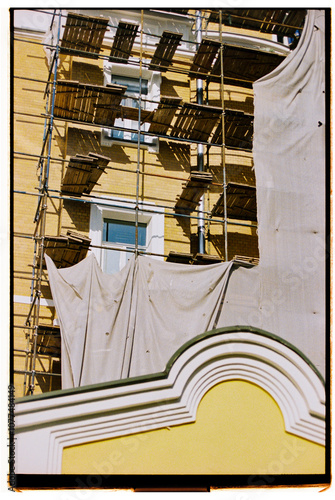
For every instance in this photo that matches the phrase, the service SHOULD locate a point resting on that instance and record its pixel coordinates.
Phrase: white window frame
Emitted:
(118, 209)
(153, 97)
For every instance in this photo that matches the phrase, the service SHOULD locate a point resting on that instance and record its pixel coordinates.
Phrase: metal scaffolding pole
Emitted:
(200, 158)
(40, 220)
(224, 172)
(127, 354)
(138, 140)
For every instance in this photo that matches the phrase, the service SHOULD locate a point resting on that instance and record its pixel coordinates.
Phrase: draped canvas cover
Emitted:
(289, 157)
(130, 323)
(285, 294)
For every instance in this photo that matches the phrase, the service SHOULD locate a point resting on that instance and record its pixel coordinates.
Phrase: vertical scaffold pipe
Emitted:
(223, 150)
(43, 216)
(200, 158)
(139, 140)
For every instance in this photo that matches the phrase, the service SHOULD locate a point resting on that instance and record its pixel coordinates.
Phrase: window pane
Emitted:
(120, 231)
(117, 134)
(111, 263)
(115, 260)
(134, 138)
(132, 84)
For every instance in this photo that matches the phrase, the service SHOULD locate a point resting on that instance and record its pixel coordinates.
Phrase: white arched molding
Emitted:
(92, 413)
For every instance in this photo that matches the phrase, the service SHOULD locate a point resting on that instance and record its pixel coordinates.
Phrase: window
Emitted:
(132, 100)
(149, 87)
(121, 233)
(112, 232)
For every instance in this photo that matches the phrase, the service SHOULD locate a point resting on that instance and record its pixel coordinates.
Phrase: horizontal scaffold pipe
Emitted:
(145, 209)
(39, 372)
(205, 13)
(25, 327)
(119, 169)
(29, 278)
(137, 61)
(113, 26)
(150, 134)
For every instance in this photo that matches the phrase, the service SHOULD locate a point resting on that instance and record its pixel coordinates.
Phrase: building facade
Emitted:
(169, 282)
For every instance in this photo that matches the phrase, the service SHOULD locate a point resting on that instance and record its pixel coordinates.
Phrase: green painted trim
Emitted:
(241, 328)
(165, 373)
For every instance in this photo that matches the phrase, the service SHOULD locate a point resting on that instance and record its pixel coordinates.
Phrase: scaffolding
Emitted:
(192, 123)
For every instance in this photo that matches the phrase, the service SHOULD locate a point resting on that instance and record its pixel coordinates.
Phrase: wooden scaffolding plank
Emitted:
(65, 98)
(180, 258)
(83, 105)
(164, 114)
(196, 122)
(108, 104)
(66, 250)
(98, 169)
(203, 58)
(238, 130)
(193, 191)
(165, 51)
(83, 173)
(130, 113)
(123, 42)
(48, 340)
(206, 259)
(88, 103)
(77, 175)
(195, 259)
(241, 202)
(246, 261)
(83, 33)
(282, 22)
(243, 66)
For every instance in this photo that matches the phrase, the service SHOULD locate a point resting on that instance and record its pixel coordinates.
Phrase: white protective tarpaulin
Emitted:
(131, 323)
(285, 294)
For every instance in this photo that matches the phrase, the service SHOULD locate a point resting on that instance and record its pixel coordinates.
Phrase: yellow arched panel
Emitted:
(239, 430)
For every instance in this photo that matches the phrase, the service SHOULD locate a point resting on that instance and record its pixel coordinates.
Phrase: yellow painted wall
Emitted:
(239, 430)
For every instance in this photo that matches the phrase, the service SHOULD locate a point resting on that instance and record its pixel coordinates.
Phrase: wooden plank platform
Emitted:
(76, 175)
(238, 130)
(196, 121)
(241, 203)
(246, 261)
(282, 22)
(66, 250)
(164, 114)
(82, 173)
(97, 171)
(123, 42)
(203, 58)
(193, 259)
(180, 258)
(205, 259)
(88, 103)
(83, 33)
(192, 192)
(243, 66)
(49, 341)
(129, 113)
(165, 51)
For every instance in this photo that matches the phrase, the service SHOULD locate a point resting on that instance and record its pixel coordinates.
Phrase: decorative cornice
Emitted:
(172, 398)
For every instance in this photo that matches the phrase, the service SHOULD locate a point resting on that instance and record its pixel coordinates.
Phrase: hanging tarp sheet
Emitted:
(287, 290)
(130, 323)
